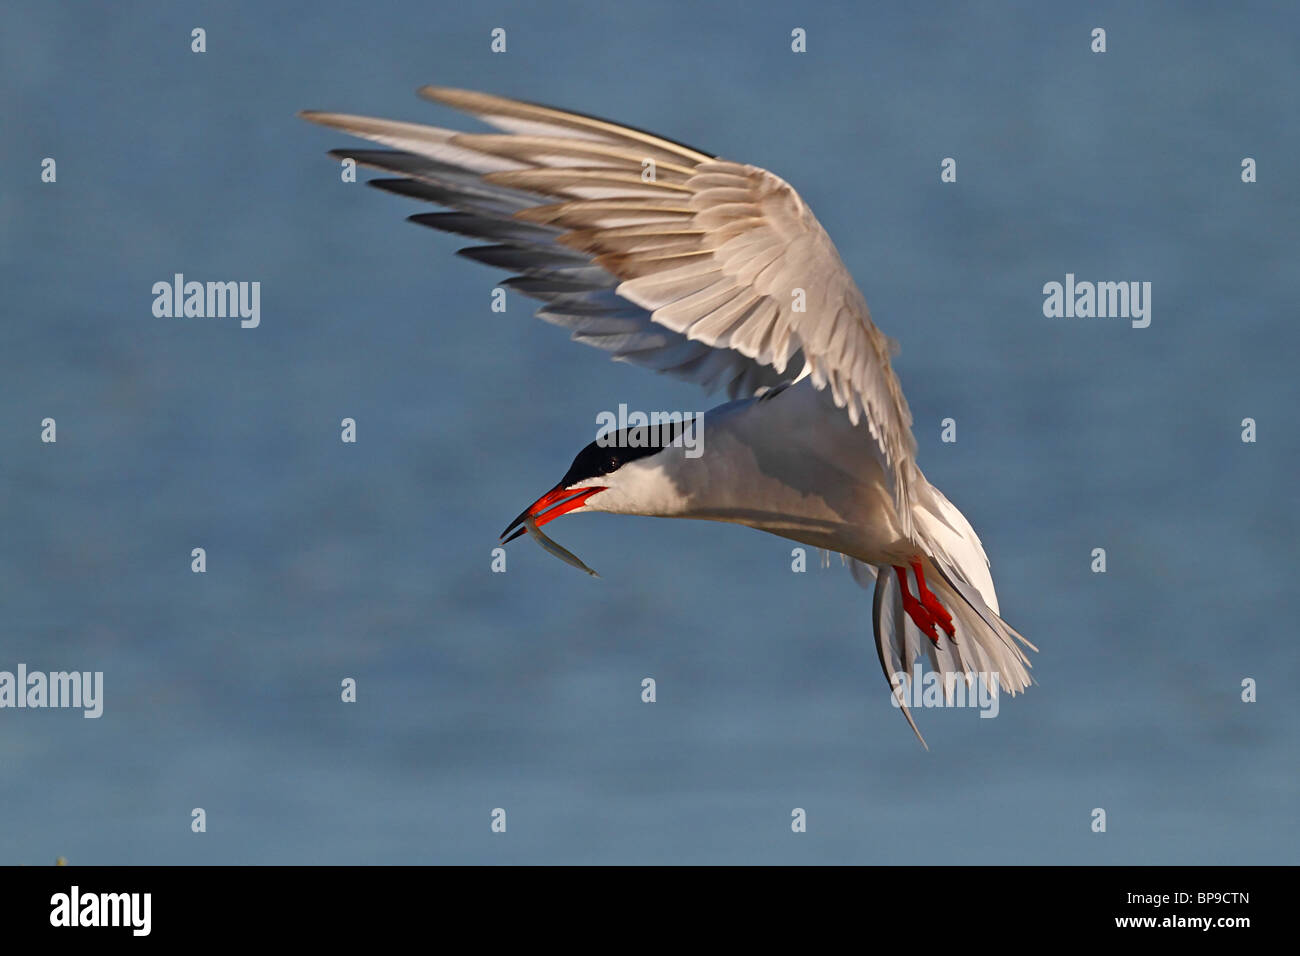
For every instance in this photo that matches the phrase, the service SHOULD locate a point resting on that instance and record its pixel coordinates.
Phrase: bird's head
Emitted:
(617, 473)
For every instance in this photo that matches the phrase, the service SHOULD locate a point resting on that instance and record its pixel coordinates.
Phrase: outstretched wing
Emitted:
(659, 253)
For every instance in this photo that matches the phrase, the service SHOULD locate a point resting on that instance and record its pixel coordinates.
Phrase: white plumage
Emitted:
(717, 272)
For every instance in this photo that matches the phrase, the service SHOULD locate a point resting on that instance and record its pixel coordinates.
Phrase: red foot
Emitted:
(931, 603)
(915, 609)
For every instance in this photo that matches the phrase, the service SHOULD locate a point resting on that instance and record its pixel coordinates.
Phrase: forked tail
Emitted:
(949, 591)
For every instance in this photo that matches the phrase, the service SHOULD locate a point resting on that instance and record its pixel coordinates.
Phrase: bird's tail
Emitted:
(956, 572)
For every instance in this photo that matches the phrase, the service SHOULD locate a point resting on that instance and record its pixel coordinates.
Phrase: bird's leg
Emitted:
(931, 603)
(915, 609)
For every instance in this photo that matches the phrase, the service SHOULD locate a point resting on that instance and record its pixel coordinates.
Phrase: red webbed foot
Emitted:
(917, 611)
(931, 603)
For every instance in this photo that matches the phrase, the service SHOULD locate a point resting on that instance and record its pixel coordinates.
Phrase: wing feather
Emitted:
(705, 268)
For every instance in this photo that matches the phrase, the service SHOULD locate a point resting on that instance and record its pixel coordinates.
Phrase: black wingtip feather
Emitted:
(478, 226)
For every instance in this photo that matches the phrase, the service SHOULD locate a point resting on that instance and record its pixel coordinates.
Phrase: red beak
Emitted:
(559, 500)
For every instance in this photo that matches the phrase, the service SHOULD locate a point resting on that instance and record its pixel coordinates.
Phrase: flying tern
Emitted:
(714, 271)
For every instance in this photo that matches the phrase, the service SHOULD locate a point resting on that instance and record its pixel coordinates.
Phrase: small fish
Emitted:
(568, 557)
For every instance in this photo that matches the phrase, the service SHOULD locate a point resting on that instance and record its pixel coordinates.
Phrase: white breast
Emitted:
(791, 464)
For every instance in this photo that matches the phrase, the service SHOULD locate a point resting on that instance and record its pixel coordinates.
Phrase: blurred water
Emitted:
(521, 691)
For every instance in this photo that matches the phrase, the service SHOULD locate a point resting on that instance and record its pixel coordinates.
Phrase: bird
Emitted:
(678, 260)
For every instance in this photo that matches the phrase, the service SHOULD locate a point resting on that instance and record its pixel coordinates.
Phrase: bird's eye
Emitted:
(612, 464)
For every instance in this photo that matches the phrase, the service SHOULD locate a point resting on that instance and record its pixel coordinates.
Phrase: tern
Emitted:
(675, 259)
